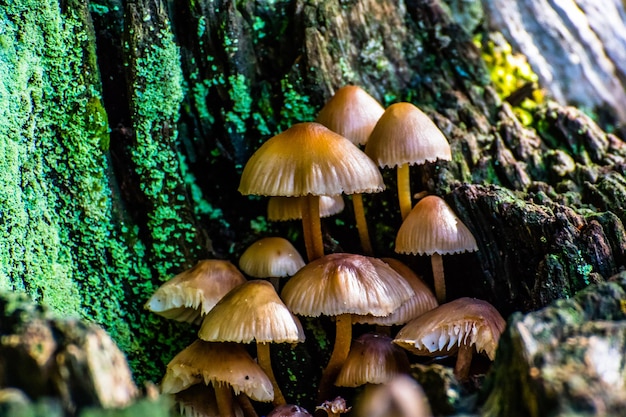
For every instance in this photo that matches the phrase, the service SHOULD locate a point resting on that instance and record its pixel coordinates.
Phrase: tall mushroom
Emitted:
(226, 366)
(432, 228)
(253, 312)
(353, 113)
(404, 135)
(271, 258)
(460, 326)
(190, 295)
(309, 160)
(341, 285)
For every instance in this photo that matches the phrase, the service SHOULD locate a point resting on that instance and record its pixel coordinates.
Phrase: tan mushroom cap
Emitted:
(290, 208)
(405, 135)
(442, 330)
(373, 359)
(252, 311)
(309, 158)
(352, 113)
(432, 227)
(343, 283)
(217, 363)
(192, 293)
(199, 401)
(424, 300)
(271, 257)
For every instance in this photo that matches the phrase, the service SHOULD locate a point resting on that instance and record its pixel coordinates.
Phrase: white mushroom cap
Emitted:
(343, 283)
(309, 158)
(406, 135)
(252, 311)
(192, 293)
(467, 321)
(271, 257)
(217, 363)
(432, 227)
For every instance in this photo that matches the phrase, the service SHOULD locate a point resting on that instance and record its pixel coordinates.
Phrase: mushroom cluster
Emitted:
(305, 171)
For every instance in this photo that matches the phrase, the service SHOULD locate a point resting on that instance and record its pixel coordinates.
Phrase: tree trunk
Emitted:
(125, 126)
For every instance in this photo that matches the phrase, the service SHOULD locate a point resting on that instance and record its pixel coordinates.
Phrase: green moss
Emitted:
(296, 106)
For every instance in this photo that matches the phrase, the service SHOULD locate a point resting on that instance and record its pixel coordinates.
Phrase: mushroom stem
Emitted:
(436, 261)
(361, 224)
(343, 339)
(224, 399)
(246, 405)
(275, 281)
(463, 362)
(404, 190)
(265, 362)
(312, 227)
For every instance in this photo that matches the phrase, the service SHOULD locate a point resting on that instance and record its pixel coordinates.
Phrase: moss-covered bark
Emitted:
(125, 125)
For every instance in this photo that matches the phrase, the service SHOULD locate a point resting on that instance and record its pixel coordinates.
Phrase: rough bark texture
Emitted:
(124, 127)
(566, 359)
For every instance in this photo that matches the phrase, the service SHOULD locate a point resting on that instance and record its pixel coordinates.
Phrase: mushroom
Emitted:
(226, 366)
(271, 257)
(400, 397)
(460, 326)
(404, 135)
(308, 160)
(191, 294)
(432, 228)
(373, 359)
(353, 113)
(253, 311)
(422, 301)
(340, 285)
(290, 208)
(199, 401)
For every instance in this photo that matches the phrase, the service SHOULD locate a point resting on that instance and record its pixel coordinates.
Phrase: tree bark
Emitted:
(125, 127)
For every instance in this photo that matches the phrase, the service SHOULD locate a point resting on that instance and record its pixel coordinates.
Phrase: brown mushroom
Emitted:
(432, 228)
(190, 295)
(253, 312)
(460, 326)
(340, 285)
(373, 359)
(353, 113)
(272, 258)
(404, 135)
(422, 301)
(308, 160)
(226, 366)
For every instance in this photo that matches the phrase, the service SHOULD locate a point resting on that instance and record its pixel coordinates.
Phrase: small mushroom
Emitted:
(373, 359)
(253, 312)
(341, 285)
(199, 401)
(309, 160)
(226, 366)
(460, 326)
(272, 258)
(432, 228)
(405, 135)
(190, 295)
